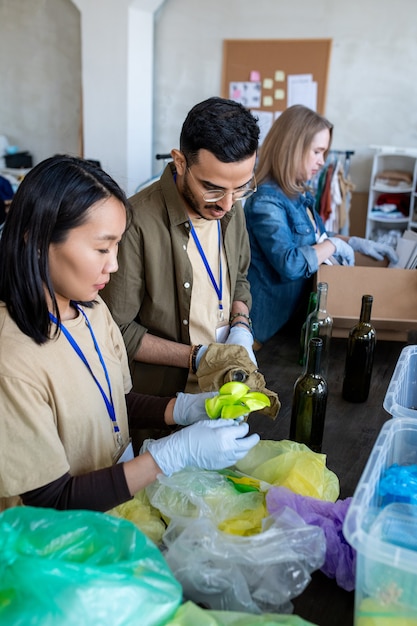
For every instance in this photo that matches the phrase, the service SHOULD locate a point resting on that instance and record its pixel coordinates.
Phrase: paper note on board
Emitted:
(267, 101)
(265, 119)
(246, 93)
(302, 90)
(279, 76)
(268, 83)
(255, 76)
(279, 94)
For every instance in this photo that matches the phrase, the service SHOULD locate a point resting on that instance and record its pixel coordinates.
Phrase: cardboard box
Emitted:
(381, 524)
(394, 310)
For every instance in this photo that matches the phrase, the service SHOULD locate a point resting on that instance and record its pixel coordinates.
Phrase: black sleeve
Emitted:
(97, 491)
(145, 411)
(103, 489)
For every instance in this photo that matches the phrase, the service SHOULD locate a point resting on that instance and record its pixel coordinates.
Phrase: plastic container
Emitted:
(385, 535)
(401, 397)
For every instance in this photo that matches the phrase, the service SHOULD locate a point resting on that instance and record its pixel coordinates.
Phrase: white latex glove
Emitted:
(239, 336)
(374, 249)
(344, 251)
(210, 445)
(190, 407)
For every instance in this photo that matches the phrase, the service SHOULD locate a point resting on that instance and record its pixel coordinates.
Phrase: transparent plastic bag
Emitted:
(81, 568)
(340, 559)
(256, 574)
(195, 493)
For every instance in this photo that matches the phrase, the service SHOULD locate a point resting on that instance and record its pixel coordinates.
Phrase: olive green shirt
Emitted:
(151, 291)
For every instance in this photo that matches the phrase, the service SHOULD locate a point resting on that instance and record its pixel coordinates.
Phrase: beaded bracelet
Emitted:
(242, 324)
(233, 316)
(193, 357)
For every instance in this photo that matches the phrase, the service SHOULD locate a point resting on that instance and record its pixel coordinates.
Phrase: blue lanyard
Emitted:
(218, 287)
(74, 344)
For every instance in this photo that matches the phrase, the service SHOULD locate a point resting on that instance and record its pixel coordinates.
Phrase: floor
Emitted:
(350, 432)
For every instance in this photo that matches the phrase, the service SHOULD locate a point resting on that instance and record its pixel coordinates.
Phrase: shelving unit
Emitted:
(398, 159)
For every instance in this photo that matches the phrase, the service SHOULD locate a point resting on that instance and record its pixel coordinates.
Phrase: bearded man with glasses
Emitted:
(182, 278)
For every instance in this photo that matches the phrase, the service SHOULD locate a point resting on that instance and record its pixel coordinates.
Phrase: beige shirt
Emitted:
(53, 416)
(205, 315)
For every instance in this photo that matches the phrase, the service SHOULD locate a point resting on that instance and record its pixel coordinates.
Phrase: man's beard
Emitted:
(192, 202)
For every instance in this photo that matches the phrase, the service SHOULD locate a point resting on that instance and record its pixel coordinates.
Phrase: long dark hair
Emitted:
(53, 198)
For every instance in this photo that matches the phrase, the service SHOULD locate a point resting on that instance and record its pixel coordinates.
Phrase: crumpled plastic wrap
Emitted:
(196, 493)
(340, 558)
(226, 551)
(256, 574)
(292, 465)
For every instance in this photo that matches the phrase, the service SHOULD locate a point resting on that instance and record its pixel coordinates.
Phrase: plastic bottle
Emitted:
(360, 356)
(312, 305)
(310, 400)
(320, 324)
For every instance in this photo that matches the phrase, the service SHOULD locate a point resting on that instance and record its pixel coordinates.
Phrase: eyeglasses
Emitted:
(215, 195)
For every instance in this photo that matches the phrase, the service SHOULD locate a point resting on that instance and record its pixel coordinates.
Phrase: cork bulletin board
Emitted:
(268, 75)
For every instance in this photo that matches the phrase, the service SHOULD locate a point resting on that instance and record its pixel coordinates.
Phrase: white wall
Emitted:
(134, 104)
(117, 61)
(372, 91)
(40, 76)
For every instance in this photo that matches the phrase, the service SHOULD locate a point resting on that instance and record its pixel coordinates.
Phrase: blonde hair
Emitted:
(286, 146)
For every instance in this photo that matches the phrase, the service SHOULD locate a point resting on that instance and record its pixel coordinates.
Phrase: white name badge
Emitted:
(125, 453)
(222, 332)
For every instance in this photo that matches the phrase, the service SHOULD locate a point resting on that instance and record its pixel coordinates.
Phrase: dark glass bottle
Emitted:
(320, 324)
(312, 305)
(310, 400)
(360, 356)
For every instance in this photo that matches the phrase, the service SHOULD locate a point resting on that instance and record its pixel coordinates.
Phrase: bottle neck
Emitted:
(315, 348)
(322, 297)
(366, 309)
(312, 303)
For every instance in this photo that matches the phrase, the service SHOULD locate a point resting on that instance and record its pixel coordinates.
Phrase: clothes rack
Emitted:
(332, 188)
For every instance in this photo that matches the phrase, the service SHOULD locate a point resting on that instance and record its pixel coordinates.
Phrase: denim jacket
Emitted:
(281, 237)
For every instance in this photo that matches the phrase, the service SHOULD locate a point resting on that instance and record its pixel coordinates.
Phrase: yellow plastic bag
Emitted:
(140, 512)
(292, 465)
(189, 614)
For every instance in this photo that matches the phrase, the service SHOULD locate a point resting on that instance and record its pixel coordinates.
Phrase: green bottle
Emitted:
(360, 356)
(320, 324)
(310, 400)
(312, 305)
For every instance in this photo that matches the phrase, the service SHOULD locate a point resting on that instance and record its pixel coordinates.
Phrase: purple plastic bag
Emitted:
(340, 557)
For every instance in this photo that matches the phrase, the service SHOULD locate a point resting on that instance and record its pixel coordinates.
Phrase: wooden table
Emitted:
(349, 435)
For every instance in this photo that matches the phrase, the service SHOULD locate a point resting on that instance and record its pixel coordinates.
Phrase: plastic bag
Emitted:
(189, 614)
(340, 559)
(140, 512)
(201, 493)
(293, 465)
(255, 574)
(81, 568)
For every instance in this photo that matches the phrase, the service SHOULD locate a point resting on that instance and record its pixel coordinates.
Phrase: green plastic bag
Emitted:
(81, 568)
